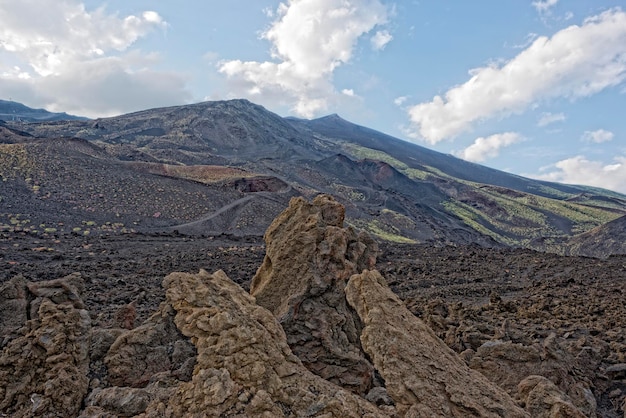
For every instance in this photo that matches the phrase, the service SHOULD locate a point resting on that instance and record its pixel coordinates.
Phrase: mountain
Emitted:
(230, 166)
(602, 241)
(13, 111)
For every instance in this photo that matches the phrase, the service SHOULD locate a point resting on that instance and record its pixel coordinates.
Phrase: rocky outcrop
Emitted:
(544, 400)
(309, 258)
(43, 372)
(334, 341)
(156, 347)
(507, 364)
(244, 367)
(13, 306)
(423, 376)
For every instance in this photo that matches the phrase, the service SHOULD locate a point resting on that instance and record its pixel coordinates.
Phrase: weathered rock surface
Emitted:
(423, 375)
(13, 306)
(309, 258)
(245, 367)
(544, 400)
(209, 350)
(43, 372)
(156, 346)
(117, 401)
(507, 364)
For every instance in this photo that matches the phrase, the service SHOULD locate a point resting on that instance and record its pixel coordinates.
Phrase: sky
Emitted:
(532, 87)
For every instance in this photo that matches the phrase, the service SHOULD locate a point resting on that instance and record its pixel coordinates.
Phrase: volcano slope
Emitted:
(538, 326)
(395, 190)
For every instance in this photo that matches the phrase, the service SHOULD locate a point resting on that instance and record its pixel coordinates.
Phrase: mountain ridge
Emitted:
(394, 189)
(14, 111)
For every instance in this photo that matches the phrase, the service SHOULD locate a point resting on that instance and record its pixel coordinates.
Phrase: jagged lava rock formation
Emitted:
(424, 376)
(244, 365)
(43, 372)
(309, 258)
(320, 335)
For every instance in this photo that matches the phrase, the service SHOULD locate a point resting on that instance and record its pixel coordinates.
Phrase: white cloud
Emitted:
(381, 39)
(580, 170)
(543, 6)
(547, 118)
(310, 39)
(484, 148)
(599, 136)
(399, 101)
(66, 52)
(530, 38)
(348, 92)
(576, 62)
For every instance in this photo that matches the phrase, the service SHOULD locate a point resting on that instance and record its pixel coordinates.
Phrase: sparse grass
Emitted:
(348, 192)
(15, 161)
(360, 152)
(471, 218)
(511, 218)
(363, 152)
(522, 217)
(382, 231)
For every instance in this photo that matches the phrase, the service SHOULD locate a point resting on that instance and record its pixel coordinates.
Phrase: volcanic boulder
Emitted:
(309, 258)
(13, 306)
(507, 364)
(156, 346)
(244, 365)
(43, 372)
(543, 399)
(423, 375)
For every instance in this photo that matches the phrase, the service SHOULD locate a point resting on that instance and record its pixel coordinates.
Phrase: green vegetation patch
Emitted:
(382, 231)
(360, 152)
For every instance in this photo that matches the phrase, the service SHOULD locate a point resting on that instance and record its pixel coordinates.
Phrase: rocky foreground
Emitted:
(319, 334)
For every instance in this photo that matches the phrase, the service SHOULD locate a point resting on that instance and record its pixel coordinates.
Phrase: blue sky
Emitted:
(533, 87)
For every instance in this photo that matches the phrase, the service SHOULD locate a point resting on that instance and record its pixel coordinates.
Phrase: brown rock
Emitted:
(424, 377)
(123, 402)
(245, 367)
(44, 371)
(156, 346)
(507, 364)
(66, 290)
(310, 256)
(101, 341)
(544, 400)
(13, 306)
(125, 316)
(95, 412)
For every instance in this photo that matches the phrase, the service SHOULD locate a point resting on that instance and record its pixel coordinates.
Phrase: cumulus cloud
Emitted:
(66, 52)
(310, 39)
(580, 170)
(484, 148)
(599, 136)
(543, 6)
(548, 118)
(577, 61)
(381, 39)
